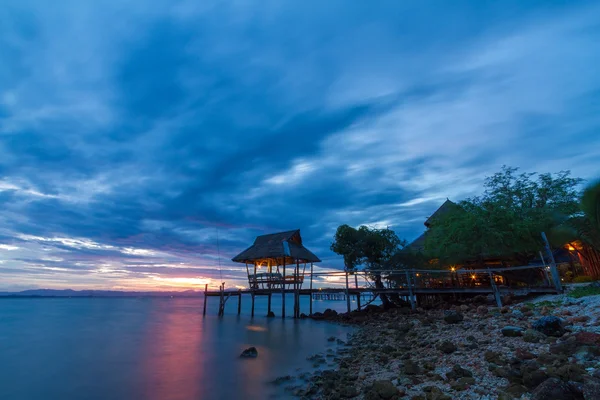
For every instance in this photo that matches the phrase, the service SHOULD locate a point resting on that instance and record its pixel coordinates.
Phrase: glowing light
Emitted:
(570, 248)
(452, 269)
(417, 274)
(255, 328)
(472, 276)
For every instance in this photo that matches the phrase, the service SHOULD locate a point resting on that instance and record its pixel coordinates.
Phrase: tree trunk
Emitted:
(385, 301)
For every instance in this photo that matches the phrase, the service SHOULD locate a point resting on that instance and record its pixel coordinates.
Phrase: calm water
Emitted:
(143, 348)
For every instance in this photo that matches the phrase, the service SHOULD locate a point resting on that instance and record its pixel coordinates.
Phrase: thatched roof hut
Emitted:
(278, 246)
(272, 251)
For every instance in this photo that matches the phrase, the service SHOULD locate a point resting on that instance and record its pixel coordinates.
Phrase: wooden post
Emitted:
(358, 300)
(553, 269)
(283, 292)
(347, 293)
(269, 304)
(311, 293)
(221, 300)
(252, 312)
(297, 293)
(410, 292)
(239, 301)
(205, 296)
(495, 289)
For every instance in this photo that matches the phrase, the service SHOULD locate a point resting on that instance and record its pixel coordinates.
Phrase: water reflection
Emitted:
(147, 349)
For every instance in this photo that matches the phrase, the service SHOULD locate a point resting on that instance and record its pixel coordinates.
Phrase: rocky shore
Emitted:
(542, 349)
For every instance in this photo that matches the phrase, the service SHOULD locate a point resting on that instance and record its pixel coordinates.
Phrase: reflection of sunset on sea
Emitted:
(172, 356)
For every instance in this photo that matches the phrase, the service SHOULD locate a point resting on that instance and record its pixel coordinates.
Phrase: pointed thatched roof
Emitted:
(283, 245)
(419, 243)
(444, 208)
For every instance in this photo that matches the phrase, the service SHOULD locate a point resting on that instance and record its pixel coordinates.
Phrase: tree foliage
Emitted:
(368, 247)
(583, 225)
(506, 221)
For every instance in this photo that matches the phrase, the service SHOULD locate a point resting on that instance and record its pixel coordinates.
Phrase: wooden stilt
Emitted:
(410, 292)
(297, 291)
(205, 297)
(283, 292)
(239, 301)
(311, 281)
(222, 300)
(347, 293)
(358, 300)
(252, 312)
(269, 304)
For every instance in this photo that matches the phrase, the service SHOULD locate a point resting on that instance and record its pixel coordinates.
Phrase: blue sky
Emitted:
(131, 136)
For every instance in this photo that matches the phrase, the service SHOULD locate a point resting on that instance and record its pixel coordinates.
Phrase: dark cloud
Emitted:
(133, 139)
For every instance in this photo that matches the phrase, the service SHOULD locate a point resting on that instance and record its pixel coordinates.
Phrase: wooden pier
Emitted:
(419, 287)
(278, 264)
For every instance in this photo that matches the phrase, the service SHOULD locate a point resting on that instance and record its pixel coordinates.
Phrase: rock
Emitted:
(372, 308)
(303, 316)
(588, 338)
(270, 314)
(385, 389)
(579, 318)
(533, 336)
(512, 331)
(453, 317)
(523, 354)
(516, 390)
(566, 347)
(505, 310)
(348, 391)
(329, 313)
(317, 316)
(482, 310)
(458, 372)
(331, 339)
(435, 393)
(447, 347)
(554, 389)
(250, 352)
(571, 372)
(479, 299)
(591, 388)
(281, 379)
(493, 357)
(411, 368)
(533, 377)
(550, 326)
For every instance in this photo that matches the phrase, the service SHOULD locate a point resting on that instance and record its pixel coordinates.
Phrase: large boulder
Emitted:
(329, 313)
(250, 352)
(550, 326)
(554, 389)
(453, 317)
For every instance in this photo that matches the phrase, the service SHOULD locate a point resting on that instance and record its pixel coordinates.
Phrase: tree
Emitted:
(583, 227)
(506, 221)
(368, 247)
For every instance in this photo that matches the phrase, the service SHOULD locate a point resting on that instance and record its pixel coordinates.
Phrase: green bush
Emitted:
(583, 279)
(583, 291)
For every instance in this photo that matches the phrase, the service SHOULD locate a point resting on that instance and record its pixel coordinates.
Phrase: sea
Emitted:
(155, 348)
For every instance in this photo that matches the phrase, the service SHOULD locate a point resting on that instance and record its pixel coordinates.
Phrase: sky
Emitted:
(143, 145)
